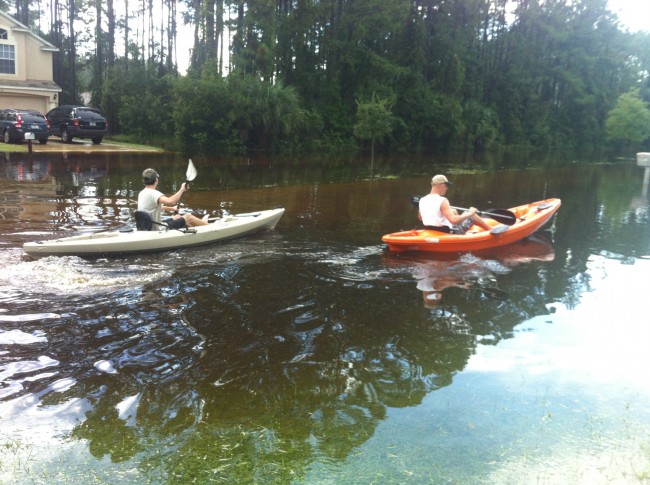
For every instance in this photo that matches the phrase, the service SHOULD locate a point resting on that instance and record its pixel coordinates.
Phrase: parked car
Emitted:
(14, 123)
(70, 122)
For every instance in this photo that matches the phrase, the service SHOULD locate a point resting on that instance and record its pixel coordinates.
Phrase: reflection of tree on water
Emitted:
(277, 384)
(105, 433)
(56, 191)
(65, 172)
(290, 368)
(640, 203)
(299, 363)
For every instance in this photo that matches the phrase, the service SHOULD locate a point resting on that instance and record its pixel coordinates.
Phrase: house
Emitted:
(26, 75)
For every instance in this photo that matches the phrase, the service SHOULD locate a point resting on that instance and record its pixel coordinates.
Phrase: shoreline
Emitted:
(55, 145)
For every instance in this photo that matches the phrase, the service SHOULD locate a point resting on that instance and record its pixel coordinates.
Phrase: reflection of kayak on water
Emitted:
(434, 276)
(524, 221)
(534, 248)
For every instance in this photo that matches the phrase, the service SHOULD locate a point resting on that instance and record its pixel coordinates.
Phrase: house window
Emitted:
(3, 34)
(7, 59)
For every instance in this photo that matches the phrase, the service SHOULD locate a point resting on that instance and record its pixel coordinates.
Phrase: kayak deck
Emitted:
(529, 218)
(133, 241)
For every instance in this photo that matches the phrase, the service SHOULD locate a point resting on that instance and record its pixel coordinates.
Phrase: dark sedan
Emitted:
(14, 123)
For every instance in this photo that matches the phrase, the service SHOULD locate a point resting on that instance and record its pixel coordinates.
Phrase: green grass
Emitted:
(13, 148)
(162, 143)
(24, 148)
(118, 141)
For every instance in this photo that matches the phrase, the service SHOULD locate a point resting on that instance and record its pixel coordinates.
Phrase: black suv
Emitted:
(14, 123)
(70, 122)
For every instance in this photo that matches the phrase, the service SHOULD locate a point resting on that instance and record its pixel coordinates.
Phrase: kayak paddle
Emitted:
(190, 175)
(504, 216)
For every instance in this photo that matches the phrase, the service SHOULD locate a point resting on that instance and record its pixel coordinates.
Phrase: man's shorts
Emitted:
(178, 223)
(462, 227)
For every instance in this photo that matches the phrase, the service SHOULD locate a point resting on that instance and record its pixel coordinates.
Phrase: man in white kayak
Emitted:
(436, 212)
(153, 202)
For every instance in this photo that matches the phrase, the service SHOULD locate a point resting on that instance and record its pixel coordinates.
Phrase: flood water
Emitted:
(310, 354)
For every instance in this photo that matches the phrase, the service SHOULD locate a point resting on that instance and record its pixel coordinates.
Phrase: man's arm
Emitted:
(173, 200)
(452, 216)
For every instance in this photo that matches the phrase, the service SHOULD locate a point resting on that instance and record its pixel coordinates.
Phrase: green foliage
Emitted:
(374, 119)
(201, 115)
(460, 74)
(481, 126)
(149, 113)
(214, 114)
(629, 121)
(263, 112)
(434, 121)
(137, 101)
(374, 122)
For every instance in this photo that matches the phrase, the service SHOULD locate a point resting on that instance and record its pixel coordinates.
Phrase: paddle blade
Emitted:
(191, 172)
(190, 175)
(504, 216)
(499, 229)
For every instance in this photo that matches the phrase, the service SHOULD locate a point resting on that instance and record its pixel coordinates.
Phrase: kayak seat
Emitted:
(144, 222)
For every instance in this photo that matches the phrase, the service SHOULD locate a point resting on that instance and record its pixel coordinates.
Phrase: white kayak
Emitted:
(133, 241)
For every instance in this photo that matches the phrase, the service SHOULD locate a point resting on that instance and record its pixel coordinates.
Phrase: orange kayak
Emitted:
(529, 218)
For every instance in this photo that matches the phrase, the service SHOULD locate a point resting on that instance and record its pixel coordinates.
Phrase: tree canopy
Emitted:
(286, 75)
(629, 121)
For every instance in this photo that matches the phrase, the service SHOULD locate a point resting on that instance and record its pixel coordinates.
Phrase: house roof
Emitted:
(35, 85)
(20, 27)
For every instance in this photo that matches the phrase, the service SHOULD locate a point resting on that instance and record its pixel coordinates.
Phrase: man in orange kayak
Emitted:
(436, 213)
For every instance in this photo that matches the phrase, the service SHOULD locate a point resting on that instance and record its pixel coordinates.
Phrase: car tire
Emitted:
(6, 137)
(43, 141)
(97, 140)
(65, 136)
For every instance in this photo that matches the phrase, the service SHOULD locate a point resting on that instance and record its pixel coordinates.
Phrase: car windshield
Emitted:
(89, 114)
(32, 117)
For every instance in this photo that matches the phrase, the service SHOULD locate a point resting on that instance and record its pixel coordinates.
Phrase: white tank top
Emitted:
(430, 211)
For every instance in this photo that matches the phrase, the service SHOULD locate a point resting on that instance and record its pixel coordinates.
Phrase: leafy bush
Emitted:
(236, 113)
(629, 121)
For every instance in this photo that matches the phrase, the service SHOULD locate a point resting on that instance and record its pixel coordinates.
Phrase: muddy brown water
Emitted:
(311, 354)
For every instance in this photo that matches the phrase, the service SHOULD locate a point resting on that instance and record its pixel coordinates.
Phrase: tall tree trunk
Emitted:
(195, 60)
(143, 50)
(22, 11)
(110, 101)
(72, 52)
(99, 45)
(110, 13)
(151, 32)
(161, 61)
(220, 29)
(126, 33)
(172, 57)
(210, 48)
(55, 28)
